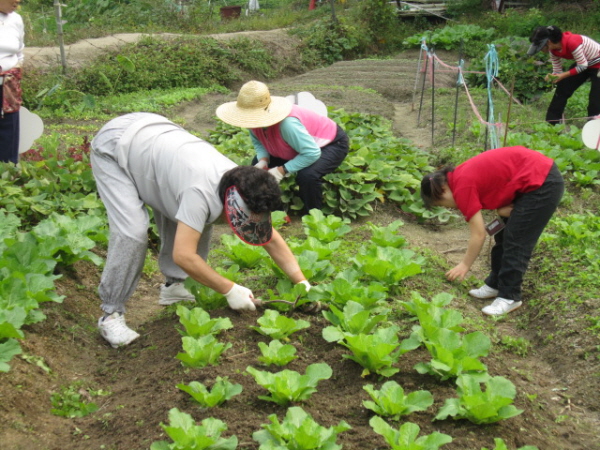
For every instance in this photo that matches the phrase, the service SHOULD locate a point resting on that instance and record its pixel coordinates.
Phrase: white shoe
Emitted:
(114, 329)
(174, 293)
(501, 306)
(484, 292)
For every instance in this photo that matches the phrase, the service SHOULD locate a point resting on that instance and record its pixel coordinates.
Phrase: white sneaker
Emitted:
(114, 329)
(174, 293)
(484, 292)
(501, 306)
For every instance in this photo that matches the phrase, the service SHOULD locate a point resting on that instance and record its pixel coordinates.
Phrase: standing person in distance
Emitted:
(143, 159)
(288, 139)
(12, 43)
(585, 53)
(525, 188)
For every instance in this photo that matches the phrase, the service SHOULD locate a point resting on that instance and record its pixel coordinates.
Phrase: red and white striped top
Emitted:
(583, 50)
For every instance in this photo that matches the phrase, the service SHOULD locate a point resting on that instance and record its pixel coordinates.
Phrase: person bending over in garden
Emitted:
(288, 139)
(586, 54)
(144, 159)
(524, 187)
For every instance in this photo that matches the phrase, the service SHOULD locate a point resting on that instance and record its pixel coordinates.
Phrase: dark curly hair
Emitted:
(432, 185)
(258, 188)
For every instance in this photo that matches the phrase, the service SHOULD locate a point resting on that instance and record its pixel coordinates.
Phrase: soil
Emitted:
(557, 384)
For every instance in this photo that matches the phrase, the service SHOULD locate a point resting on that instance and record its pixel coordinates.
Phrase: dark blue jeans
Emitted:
(567, 87)
(515, 243)
(9, 136)
(310, 179)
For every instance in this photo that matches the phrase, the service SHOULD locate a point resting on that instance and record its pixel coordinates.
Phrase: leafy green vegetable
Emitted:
(202, 351)
(67, 239)
(353, 319)
(325, 228)
(290, 386)
(388, 264)
(276, 353)
(347, 286)
(501, 445)
(387, 236)
(406, 437)
(240, 253)
(481, 406)
(276, 326)
(453, 354)
(71, 403)
(298, 431)
(221, 391)
(8, 349)
(391, 402)
(375, 352)
(186, 435)
(197, 322)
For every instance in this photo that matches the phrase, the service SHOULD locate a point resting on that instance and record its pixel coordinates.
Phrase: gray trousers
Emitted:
(128, 221)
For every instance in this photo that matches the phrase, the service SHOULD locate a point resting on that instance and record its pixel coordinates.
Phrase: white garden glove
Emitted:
(305, 283)
(240, 298)
(276, 173)
(262, 164)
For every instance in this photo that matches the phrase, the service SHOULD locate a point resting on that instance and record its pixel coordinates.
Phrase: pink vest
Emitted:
(322, 129)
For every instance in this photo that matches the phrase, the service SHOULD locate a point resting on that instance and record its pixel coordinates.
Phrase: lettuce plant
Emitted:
(501, 445)
(298, 431)
(439, 329)
(324, 250)
(197, 322)
(376, 352)
(186, 435)
(481, 406)
(202, 351)
(325, 228)
(387, 236)
(276, 353)
(347, 286)
(353, 319)
(288, 385)
(453, 354)
(388, 264)
(221, 391)
(240, 253)
(391, 402)
(276, 326)
(208, 298)
(406, 438)
(433, 312)
(70, 240)
(312, 266)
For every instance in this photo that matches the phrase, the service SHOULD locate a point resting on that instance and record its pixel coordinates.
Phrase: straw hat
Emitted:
(254, 108)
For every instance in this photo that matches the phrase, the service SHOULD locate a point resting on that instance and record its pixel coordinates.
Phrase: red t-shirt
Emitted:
(494, 178)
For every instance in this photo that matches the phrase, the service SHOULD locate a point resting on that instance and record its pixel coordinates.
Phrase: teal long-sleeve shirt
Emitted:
(297, 136)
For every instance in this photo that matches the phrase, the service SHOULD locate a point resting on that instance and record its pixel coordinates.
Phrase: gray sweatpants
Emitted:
(128, 221)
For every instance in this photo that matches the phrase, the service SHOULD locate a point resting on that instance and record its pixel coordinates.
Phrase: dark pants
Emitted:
(566, 88)
(9, 136)
(515, 243)
(310, 179)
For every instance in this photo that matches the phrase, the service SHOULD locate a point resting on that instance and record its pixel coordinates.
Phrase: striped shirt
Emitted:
(583, 50)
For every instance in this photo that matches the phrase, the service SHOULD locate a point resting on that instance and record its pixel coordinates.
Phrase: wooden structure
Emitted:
(438, 7)
(421, 7)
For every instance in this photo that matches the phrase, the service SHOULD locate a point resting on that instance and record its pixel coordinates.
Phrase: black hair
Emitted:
(551, 32)
(258, 188)
(432, 185)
